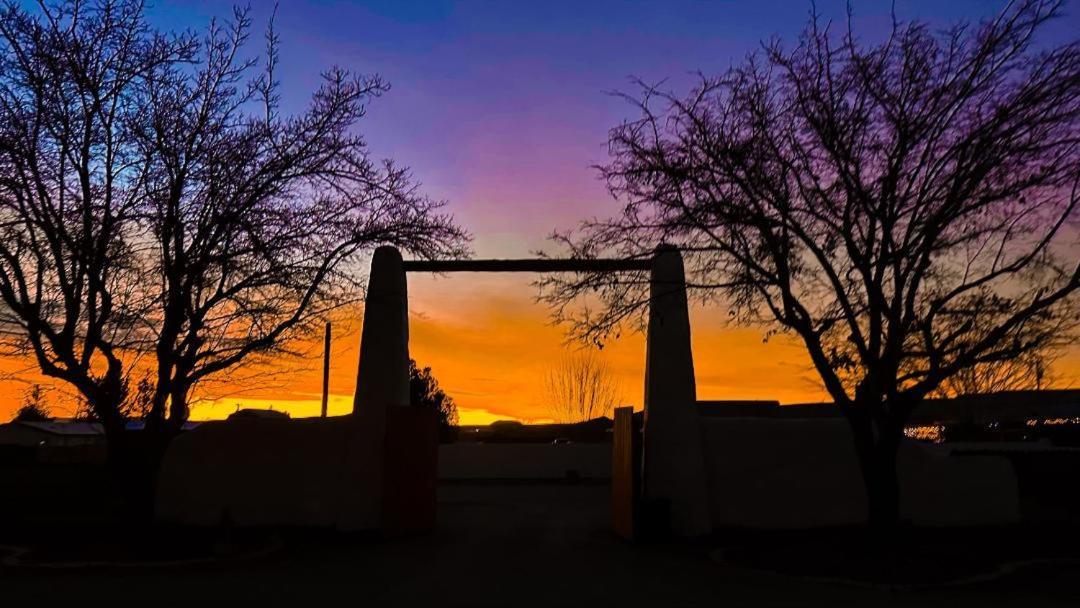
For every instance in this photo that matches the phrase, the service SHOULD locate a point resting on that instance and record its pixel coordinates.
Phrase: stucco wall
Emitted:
(769, 473)
(256, 472)
(300, 472)
(524, 460)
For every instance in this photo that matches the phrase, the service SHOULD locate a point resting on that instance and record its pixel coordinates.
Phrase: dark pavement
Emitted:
(499, 545)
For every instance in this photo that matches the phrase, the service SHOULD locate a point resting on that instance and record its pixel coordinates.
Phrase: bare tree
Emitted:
(34, 407)
(580, 387)
(158, 210)
(907, 209)
(1031, 370)
(257, 216)
(73, 82)
(134, 408)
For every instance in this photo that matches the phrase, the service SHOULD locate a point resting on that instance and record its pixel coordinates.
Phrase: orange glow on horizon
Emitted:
(489, 345)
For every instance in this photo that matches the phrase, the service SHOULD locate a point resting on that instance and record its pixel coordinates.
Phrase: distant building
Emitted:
(1026, 415)
(258, 414)
(1006, 406)
(54, 433)
(59, 440)
(597, 430)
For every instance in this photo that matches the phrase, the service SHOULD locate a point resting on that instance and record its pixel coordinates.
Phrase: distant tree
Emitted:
(34, 408)
(138, 405)
(907, 209)
(84, 412)
(1028, 371)
(580, 387)
(424, 392)
(135, 406)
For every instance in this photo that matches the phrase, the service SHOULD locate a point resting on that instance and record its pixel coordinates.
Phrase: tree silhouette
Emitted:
(906, 209)
(156, 205)
(424, 392)
(34, 408)
(580, 387)
(1031, 370)
(73, 83)
(259, 218)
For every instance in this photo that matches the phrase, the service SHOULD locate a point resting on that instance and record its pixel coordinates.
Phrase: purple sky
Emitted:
(502, 107)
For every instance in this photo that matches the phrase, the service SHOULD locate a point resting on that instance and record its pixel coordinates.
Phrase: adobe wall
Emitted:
(803, 473)
(302, 472)
(537, 461)
(256, 472)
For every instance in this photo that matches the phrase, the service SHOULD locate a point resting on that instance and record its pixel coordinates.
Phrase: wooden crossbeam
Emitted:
(528, 265)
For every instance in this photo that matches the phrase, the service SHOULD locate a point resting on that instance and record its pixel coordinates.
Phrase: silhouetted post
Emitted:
(326, 370)
(623, 474)
(674, 466)
(382, 375)
(382, 381)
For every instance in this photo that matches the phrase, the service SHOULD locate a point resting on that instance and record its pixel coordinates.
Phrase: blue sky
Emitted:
(502, 107)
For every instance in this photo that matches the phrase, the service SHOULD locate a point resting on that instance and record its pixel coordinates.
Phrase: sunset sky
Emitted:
(501, 108)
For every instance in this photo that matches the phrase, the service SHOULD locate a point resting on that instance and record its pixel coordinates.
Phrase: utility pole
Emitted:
(326, 370)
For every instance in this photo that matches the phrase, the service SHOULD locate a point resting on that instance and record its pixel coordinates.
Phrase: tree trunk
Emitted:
(178, 407)
(876, 445)
(882, 488)
(126, 479)
(134, 457)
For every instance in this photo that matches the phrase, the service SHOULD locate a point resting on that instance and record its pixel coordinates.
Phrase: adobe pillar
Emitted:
(382, 381)
(382, 376)
(674, 467)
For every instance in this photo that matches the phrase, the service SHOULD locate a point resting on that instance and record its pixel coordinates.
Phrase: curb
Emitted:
(1000, 571)
(15, 559)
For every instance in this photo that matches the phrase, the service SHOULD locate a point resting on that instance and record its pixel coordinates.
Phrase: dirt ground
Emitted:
(501, 545)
